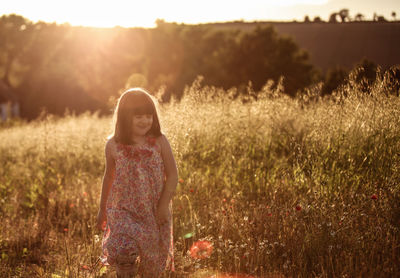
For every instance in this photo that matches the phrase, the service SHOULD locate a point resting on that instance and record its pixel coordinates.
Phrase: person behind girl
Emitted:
(138, 185)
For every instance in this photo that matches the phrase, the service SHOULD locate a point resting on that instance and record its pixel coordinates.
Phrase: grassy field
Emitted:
(280, 187)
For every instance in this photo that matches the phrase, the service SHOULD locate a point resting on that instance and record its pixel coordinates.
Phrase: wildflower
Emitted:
(201, 249)
(65, 229)
(84, 194)
(298, 208)
(72, 205)
(191, 190)
(224, 200)
(374, 197)
(180, 180)
(85, 267)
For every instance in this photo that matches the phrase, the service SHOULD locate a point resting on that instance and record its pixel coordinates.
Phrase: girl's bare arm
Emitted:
(108, 179)
(171, 181)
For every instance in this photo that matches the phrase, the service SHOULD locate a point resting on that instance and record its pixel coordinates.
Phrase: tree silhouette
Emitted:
(363, 75)
(359, 17)
(15, 34)
(381, 18)
(344, 15)
(263, 55)
(306, 19)
(317, 19)
(333, 18)
(394, 15)
(334, 78)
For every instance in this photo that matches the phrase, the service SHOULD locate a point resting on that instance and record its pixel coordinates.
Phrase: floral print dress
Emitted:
(132, 231)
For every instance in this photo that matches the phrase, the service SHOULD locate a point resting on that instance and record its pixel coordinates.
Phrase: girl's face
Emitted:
(141, 124)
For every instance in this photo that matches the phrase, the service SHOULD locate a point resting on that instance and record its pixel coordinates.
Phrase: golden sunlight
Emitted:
(105, 13)
(87, 13)
(298, 2)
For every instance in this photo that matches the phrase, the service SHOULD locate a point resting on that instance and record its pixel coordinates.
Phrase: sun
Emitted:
(113, 13)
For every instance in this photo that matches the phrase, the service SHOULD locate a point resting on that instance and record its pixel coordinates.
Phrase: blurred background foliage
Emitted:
(58, 67)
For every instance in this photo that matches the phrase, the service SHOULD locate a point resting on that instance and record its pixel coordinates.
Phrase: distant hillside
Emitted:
(338, 44)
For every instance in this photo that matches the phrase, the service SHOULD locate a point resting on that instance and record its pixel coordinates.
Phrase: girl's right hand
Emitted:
(101, 220)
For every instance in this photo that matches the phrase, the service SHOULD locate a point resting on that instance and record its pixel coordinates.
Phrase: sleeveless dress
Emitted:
(132, 231)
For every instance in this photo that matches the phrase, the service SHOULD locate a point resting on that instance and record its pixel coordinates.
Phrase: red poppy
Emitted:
(374, 197)
(191, 190)
(71, 205)
(201, 249)
(65, 229)
(85, 267)
(181, 180)
(298, 207)
(84, 194)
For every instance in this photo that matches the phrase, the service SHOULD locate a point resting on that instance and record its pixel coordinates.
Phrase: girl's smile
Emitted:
(141, 124)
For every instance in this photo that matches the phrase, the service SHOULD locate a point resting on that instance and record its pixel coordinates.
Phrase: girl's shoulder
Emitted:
(111, 146)
(160, 140)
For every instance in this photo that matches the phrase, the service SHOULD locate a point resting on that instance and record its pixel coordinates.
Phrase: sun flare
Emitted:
(105, 13)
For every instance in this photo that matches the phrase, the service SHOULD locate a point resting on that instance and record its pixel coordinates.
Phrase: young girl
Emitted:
(138, 184)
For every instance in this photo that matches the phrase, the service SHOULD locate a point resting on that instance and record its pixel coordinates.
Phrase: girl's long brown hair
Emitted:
(135, 101)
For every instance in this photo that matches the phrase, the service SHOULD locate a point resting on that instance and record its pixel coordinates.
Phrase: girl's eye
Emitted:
(145, 116)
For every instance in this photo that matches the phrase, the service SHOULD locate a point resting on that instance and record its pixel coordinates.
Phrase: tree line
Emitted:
(343, 15)
(58, 67)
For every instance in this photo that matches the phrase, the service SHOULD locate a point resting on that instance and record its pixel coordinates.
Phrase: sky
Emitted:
(144, 13)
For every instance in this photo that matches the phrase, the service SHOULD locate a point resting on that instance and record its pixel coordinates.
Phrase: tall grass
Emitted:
(279, 186)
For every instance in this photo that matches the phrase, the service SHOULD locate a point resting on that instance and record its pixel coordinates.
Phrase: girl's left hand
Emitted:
(162, 215)
(101, 220)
